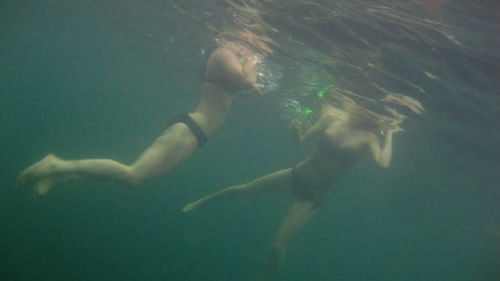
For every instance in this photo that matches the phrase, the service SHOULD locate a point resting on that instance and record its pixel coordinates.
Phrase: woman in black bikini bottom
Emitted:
(341, 142)
(185, 133)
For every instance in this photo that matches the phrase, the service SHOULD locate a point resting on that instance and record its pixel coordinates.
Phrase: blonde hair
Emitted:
(359, 116)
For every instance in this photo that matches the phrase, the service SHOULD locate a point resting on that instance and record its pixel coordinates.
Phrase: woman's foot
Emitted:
(42, 169)
(192, 206)
(45, 185)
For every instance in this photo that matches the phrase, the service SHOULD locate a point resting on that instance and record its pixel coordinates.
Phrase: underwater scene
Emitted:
(212, 140)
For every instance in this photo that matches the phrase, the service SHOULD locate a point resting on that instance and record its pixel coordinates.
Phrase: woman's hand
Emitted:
(295, 130)
(295, 126)
(390, 131)
(250, 74)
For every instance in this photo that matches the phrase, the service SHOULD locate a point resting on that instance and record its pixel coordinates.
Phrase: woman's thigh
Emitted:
(174, 146)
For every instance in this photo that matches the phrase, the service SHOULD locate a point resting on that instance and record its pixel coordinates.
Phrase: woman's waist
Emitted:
(209, 122)
(322, 169)
(316, 174)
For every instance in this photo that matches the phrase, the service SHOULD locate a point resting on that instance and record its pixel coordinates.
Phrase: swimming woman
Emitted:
(230, 69)
(343, 134)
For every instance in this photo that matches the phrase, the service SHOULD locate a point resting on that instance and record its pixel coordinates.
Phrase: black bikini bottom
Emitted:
(302, 191)
(195, 128)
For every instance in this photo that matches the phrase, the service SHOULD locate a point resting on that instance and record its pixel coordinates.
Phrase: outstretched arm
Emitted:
(382, 154)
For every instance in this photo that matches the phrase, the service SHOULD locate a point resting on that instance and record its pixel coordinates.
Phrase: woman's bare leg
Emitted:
(175, 145)
(276, 182)
(298, 215)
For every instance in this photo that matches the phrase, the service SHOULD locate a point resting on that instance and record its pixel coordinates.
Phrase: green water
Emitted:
(88, 79)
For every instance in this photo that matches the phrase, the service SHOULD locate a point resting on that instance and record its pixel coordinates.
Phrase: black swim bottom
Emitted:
(195, 128)
(302, 191)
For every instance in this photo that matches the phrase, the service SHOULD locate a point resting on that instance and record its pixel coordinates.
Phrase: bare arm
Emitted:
(250, 75)
(382, 154)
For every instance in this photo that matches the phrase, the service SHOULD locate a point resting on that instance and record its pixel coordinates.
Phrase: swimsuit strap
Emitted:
(195, 128)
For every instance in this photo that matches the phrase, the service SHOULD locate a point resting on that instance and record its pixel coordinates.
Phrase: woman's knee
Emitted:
(133, 178)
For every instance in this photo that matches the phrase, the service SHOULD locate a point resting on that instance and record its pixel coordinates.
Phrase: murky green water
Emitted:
(90, 79)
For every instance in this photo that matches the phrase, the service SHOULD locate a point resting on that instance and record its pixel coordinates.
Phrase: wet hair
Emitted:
(358, 116)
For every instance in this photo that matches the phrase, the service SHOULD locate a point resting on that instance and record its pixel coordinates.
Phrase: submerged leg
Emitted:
(45, 185)
(298, 215)
(175, 145)
(276, 182)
